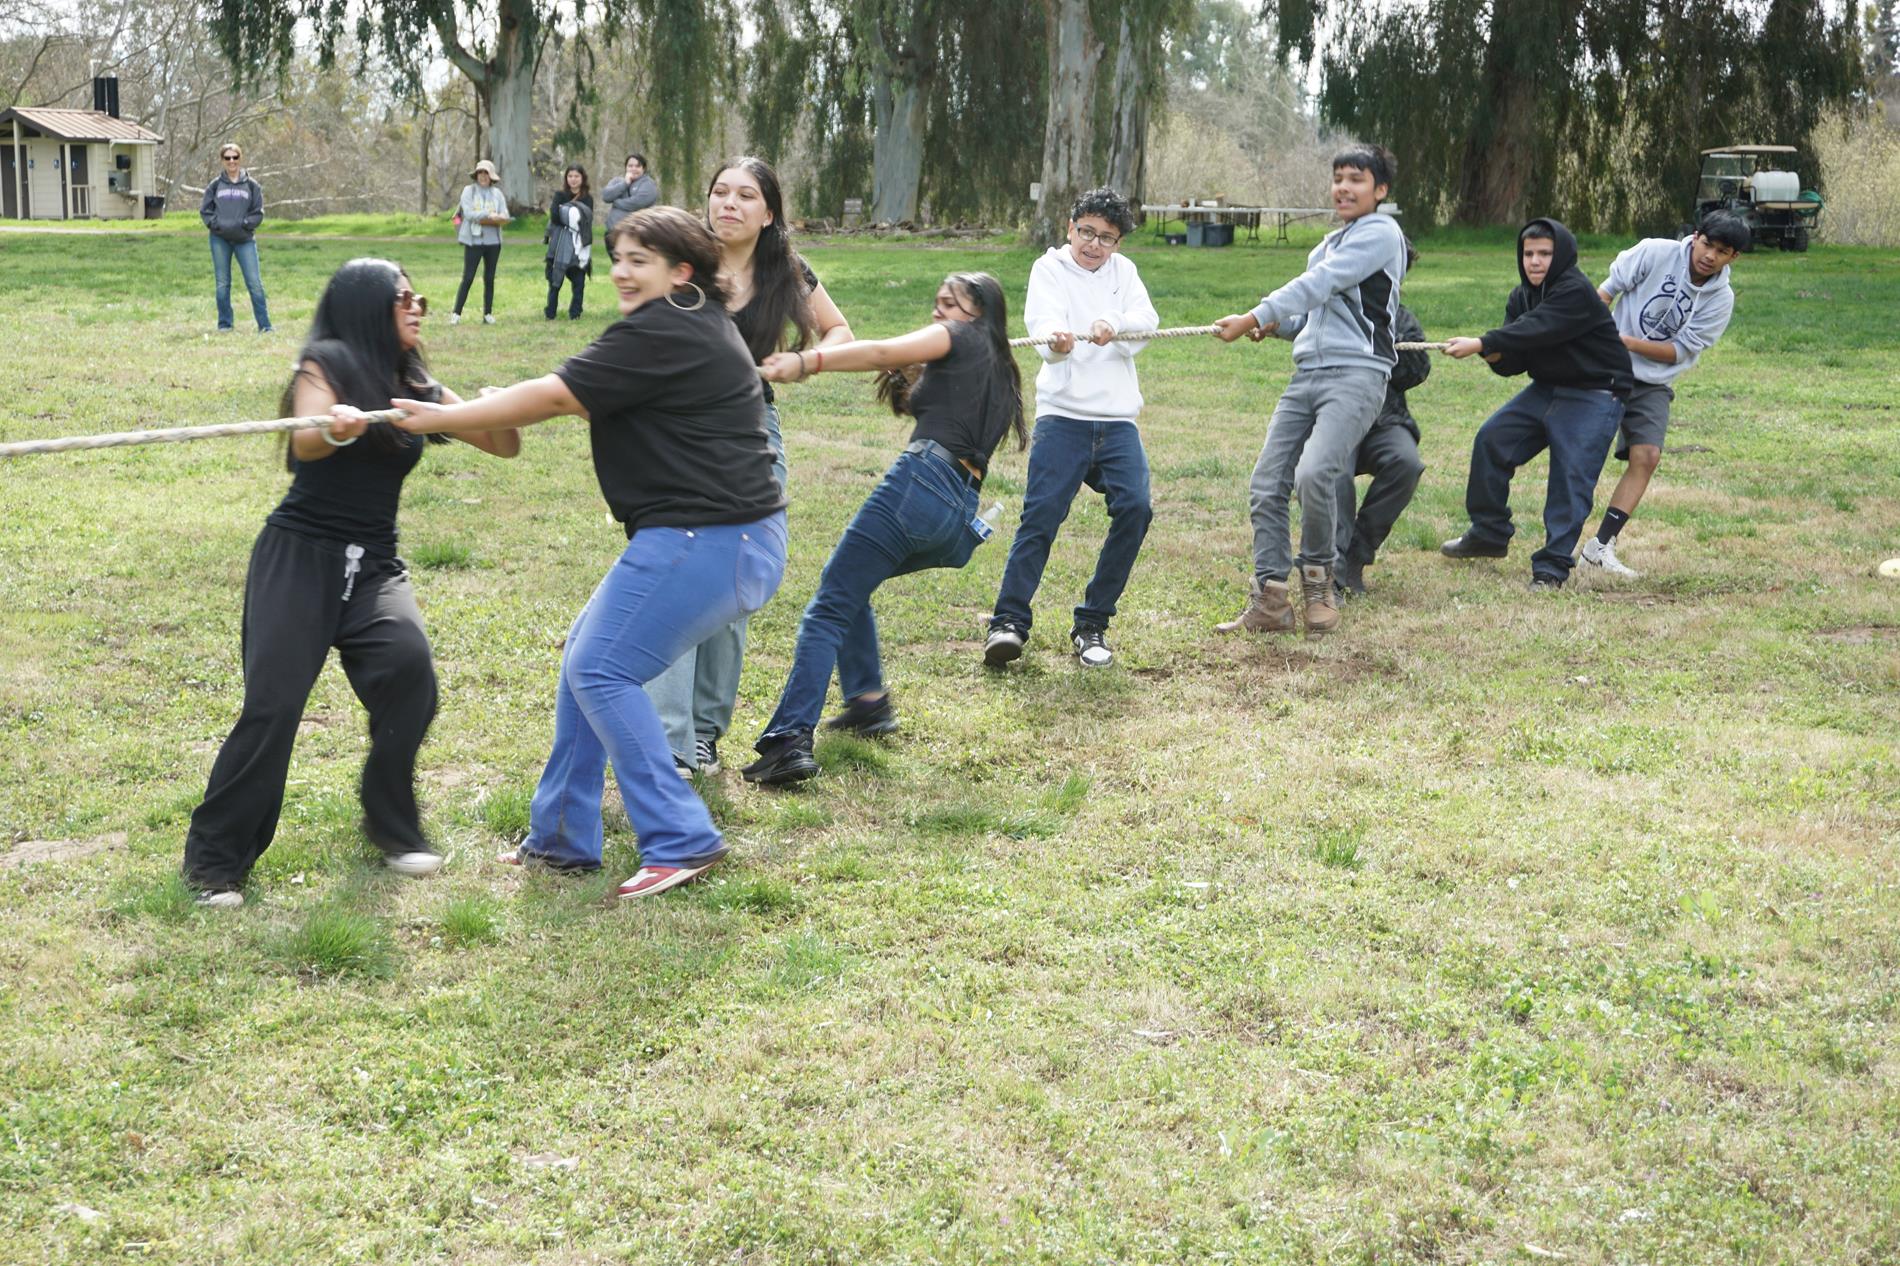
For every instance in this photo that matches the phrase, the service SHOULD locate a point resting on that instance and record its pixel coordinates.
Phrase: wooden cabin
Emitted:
(77, 164)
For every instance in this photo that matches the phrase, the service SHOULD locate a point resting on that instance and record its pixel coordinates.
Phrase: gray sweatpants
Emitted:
(1311, 443)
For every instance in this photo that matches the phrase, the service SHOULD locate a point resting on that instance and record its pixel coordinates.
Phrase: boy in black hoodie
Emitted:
(1559, 331)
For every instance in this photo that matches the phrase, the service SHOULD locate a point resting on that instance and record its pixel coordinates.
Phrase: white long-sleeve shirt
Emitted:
(1090, 383)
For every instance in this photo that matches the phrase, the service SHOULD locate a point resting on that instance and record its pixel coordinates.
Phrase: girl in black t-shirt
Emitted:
(675, 415)
(324, 573)
(923, 514)
(773, 295)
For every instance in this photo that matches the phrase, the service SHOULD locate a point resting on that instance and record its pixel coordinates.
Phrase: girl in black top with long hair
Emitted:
(956, 377)
(570, 241)
(778, 303)
(324, 573)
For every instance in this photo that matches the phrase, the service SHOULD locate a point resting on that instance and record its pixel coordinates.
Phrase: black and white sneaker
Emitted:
(219, 899)
(1004, 644)
(1091, 648)
(706, 754)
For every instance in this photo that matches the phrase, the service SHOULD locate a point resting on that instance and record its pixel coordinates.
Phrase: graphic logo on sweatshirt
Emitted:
(1668, 310)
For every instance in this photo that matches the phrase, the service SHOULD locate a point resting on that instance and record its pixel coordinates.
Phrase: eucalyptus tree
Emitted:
(1595, 109)
(497, 44)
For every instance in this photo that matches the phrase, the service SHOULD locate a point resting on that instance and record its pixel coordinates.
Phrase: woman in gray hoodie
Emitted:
(629, 193)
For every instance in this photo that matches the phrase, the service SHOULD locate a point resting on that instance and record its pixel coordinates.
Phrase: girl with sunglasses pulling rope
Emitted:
(324, 573)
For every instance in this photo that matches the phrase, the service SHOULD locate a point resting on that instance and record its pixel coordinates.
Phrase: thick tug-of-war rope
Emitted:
(173, 435)
(1183, 331)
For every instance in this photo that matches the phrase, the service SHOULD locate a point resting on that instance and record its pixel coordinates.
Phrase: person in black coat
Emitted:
(1558, 330)
(1389, 453)
(570, 240)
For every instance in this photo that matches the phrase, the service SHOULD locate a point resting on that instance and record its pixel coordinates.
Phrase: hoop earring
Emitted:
(682, 307)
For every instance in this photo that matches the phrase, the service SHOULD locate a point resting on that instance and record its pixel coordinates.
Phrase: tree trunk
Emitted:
(903, 64)
(504, 85)
(1501, 149)
(897, 155)
(1129, 124)
(1068, 135)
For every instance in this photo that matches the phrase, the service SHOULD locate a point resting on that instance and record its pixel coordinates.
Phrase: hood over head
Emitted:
(1564, 253)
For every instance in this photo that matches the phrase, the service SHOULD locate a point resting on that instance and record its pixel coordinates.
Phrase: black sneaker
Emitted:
(783, 759)
(1004, 644)
(1091, 648)
(1546, 584)
(866, 718)
(706, 754)
(1469, 546)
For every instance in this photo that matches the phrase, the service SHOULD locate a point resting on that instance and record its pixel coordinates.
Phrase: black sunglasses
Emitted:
(407, 299)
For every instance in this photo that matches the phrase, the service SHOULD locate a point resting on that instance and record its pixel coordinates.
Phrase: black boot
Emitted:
(1349, 578)
(783, 759)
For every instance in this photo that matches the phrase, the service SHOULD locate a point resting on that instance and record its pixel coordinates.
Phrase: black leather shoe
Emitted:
(1469, 546)
(782, 761)
(866, 718)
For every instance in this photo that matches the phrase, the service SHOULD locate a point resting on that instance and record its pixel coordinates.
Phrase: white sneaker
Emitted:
(415, 865)
(1602, 556)
(455, 318)
(488, 320)
(1091, 648)
(225, 899)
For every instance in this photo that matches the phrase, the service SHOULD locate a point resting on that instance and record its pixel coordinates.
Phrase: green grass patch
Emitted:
(331, 943)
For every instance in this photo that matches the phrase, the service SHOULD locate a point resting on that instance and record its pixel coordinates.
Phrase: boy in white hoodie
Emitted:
(1087, 397)
(1674, 304)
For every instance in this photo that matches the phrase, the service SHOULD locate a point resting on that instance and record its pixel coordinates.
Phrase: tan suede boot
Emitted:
(1322, 604)
(1268, 610)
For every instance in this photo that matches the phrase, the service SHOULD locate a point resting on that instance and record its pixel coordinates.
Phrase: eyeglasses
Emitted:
(1107, 241)
(407, 299)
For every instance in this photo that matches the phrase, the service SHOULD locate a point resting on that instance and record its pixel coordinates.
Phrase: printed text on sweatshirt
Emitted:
(1660, 301)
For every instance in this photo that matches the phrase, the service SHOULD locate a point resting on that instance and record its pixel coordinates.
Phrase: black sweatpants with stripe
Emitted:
(294, 612)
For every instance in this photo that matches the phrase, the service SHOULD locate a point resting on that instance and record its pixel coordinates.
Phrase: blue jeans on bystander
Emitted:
(246, 252)
(668, 591)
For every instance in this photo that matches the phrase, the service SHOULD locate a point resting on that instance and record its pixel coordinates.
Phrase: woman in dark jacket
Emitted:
(570, 241)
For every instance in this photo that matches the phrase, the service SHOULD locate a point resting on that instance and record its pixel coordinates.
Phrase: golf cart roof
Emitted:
(1749, 149)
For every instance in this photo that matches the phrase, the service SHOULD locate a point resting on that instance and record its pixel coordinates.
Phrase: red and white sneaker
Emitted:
(651, 881)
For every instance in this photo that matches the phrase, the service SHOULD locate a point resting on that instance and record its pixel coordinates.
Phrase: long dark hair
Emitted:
(985, 294)
(778, 274)
(563, 193)
(353, 341)
(679, 238)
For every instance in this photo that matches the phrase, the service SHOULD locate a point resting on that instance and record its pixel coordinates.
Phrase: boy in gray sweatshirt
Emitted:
(1340, 314)
(1671, 303)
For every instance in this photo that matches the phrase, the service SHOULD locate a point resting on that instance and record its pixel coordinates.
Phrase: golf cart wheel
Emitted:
(1797, 239)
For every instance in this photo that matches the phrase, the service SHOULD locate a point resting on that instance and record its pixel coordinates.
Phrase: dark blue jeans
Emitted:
(668, 591)
(1577, 427)
(1069, 452)
(916, 518)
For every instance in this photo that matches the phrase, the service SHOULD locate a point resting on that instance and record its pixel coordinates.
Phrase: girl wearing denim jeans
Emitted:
(676, 419)
(966, 393)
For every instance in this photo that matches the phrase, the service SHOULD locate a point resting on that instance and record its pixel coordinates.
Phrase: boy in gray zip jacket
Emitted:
(1671, 303)
(1340, 314)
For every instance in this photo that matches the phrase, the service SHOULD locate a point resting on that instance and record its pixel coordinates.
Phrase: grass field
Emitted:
(1499, 927)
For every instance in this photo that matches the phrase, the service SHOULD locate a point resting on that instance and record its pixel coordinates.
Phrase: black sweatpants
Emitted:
(577, 278)
(294, 612)
(1390, 455)
(487, 257)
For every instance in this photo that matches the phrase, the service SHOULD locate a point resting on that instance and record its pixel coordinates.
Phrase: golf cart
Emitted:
(1752, 182)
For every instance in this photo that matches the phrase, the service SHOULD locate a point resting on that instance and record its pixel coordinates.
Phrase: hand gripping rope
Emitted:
(173, 435)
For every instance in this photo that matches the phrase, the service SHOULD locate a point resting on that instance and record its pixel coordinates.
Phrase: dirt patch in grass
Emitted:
(1861, 634)
(29, 852)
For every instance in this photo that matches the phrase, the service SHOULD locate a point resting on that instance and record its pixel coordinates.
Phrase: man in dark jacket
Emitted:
(1558, 330)
(1389, 453)
(232, 209)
